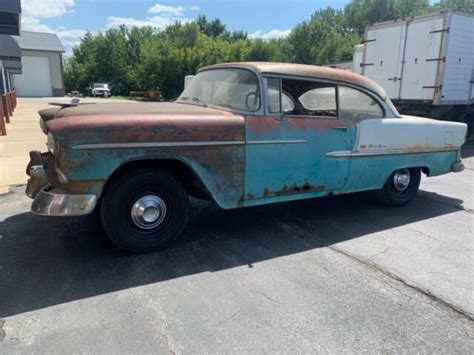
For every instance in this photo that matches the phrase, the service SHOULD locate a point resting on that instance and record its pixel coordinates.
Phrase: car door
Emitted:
(286, 150)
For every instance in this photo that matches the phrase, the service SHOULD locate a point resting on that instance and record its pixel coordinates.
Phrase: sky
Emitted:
(70, 19)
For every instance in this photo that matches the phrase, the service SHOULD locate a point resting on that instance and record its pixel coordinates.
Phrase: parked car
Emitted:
(98, 89)
(241, 134)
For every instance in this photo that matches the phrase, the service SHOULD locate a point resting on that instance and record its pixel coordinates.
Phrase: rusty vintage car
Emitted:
(241, 134)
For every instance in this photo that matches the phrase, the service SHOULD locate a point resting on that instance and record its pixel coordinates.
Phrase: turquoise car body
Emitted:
(243, 159)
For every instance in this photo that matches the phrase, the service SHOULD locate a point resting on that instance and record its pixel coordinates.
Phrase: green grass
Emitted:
(119, 97)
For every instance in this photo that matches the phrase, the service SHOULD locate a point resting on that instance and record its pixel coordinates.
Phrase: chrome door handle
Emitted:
(341, 128)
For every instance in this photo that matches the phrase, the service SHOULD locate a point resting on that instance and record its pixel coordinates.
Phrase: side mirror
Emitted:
(251, 101)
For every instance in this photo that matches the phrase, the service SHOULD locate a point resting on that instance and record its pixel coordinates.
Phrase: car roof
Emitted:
(304, 70)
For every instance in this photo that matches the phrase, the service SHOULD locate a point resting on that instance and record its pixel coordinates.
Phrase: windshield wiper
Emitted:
(196, 100)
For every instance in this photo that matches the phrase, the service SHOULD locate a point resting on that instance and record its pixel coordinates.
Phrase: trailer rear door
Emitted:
(384, 46)
(459, 66)
(422, 57)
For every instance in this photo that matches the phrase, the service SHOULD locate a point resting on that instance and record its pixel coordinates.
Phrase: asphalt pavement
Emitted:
(331, 275)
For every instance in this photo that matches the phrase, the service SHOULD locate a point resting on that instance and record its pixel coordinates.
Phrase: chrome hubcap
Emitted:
(148, 212)
(401, 179)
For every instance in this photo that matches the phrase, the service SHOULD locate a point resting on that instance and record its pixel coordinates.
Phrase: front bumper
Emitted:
(49, 201)
(101, 93)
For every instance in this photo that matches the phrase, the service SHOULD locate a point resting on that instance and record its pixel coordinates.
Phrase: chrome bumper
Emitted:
(457, 167)
(49, 203)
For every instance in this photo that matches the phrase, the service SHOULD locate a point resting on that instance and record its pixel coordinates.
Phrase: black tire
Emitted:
(120, 218)
(394, 196)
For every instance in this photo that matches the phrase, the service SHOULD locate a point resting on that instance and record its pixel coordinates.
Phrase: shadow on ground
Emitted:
(48, 261)
(468, 149)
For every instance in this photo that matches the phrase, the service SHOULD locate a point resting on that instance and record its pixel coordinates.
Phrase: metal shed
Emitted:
(42, 58)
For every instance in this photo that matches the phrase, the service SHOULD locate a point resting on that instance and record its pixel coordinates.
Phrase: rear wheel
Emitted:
(401, 187)
(145, 211)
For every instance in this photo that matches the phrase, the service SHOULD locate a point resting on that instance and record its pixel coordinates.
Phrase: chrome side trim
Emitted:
(154, 145)
(179, 144)
(48, 203)
(339, 154)
(294, 141)
(348, 153)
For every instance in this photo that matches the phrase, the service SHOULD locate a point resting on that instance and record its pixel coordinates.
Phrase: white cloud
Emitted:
(273, 34)
(69, 38)
(32, 15)
(177, 11)
(159, 22)
(165, 15)
(47, 8)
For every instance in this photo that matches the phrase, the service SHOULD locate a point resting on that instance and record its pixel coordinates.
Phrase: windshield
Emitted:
(100, 86)
(236, 89)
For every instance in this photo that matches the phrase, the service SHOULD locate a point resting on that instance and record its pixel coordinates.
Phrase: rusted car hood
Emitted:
(49, 113)
(126, 108)
(144, 123)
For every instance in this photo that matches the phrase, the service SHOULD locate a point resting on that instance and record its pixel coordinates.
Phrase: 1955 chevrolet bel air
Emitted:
(241, 134)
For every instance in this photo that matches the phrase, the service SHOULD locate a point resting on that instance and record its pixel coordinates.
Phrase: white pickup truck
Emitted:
(98, 89)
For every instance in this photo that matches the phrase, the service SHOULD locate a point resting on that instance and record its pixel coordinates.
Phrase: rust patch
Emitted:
(261, 124)
(292, 189)
(267, 192)
(146, 128)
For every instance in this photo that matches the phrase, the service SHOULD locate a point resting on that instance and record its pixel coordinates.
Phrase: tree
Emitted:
(145, 58)
(466, 6)
(317, 42)
(361, 13)
(214, 28)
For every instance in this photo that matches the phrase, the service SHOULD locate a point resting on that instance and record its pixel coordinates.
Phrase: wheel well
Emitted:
(183, 173)
(425, 170)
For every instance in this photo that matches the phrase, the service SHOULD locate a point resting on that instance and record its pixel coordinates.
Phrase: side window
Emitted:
(356, 105)
(278, 101)
(310, 98)
(320, 100)
(286, 103)
(273, 95)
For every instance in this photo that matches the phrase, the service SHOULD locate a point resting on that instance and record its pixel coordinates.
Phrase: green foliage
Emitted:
(466, 6)
(361, 13)
(145, 58)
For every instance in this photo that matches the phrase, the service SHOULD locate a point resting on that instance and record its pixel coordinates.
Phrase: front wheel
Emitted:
(145, 211)
(401, 187)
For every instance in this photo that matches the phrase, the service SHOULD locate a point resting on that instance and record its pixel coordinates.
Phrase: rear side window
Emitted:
(321, 100)
(356, 105)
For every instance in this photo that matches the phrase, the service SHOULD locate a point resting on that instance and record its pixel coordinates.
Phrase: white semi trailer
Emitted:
(425, 64)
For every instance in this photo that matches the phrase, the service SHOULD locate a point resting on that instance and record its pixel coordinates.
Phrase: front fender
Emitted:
(220, 168)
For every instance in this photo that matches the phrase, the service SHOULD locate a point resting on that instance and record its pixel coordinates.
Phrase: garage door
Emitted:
(35, 79)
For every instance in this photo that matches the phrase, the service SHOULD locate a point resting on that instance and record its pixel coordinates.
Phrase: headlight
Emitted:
(51, 143)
